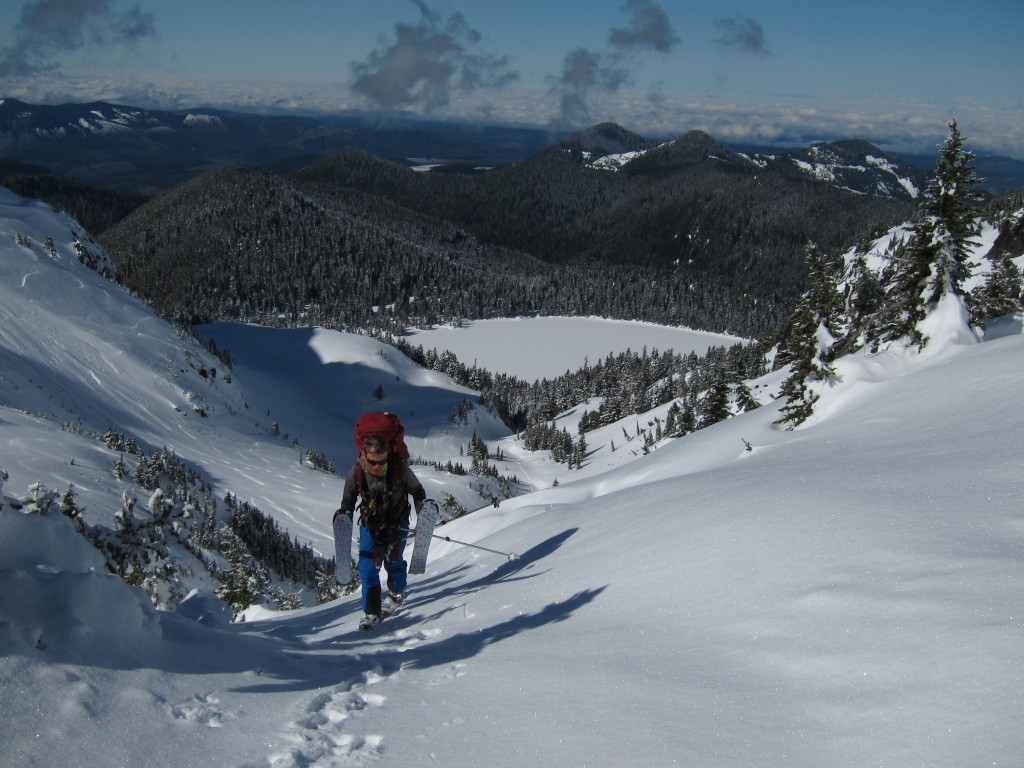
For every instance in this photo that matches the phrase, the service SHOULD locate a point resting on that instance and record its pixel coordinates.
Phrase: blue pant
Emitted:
(371, 556)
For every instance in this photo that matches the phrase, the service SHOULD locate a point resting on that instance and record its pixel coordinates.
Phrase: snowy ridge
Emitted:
(826, 165)
(887, 165)
(110, 119)
(844, 594)
(856, 166)
(99, 122)
(612, 162)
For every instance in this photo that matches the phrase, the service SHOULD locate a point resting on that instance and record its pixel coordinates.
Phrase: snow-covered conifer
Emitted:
(863, 299)
(714, 407)
(935, 261)
(811, 344)
(1001, 292)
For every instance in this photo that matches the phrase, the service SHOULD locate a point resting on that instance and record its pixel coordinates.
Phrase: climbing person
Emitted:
(381, 482)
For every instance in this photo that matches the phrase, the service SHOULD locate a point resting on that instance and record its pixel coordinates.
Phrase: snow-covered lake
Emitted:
(545, 347)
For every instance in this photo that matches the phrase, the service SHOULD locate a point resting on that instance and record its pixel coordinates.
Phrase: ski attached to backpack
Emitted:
(343, 548)
(426, 519)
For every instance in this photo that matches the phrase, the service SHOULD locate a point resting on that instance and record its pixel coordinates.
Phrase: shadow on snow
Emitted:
(439, 589)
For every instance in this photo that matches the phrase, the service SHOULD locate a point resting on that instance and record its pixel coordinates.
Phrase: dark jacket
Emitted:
(387, 505)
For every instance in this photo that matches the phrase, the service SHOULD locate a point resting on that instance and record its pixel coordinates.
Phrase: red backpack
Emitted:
(387, 425)
(390, 428)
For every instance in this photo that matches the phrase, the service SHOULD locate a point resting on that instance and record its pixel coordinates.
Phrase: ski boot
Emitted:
(391, 603)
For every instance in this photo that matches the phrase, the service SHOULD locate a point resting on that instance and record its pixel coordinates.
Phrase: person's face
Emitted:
(376, 461)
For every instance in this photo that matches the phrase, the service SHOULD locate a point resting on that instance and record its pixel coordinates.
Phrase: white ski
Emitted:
(426, 519)
(343, 549)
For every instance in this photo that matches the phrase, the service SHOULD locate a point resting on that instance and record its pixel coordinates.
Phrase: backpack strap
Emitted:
(393, 483)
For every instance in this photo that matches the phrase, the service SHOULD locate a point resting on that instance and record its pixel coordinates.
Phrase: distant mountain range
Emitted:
(145, 151)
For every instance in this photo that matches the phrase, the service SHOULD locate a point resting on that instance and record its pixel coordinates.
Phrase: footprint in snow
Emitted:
(204, 710)
(322, 734)
(410, 638)
(451, 672)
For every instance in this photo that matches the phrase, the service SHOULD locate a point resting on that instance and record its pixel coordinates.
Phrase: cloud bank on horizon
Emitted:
(641, 72)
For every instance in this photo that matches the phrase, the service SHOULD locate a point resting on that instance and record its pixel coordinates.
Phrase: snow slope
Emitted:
(845, 594)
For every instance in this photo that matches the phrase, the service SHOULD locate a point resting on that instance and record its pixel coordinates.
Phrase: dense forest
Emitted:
(247, 245)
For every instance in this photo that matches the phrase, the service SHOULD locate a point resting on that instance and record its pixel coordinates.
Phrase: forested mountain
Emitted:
(691, 205)
(248, 245)
(686, 233)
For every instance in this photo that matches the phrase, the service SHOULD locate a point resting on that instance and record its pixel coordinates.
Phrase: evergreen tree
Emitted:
(69, 506)
(327, 588)
(119, 467)
(714, 407)
(477, 447)
(112, 438)
(287, 601)
(670, 419)
(125, 518)
(244, 583)
(688, 422)
(863, 299)
(823, 295)
(935, 262)
(811, 345)
(745, 399)
(1001, 293)
(581, 451)
(804, 363)
(824, 305)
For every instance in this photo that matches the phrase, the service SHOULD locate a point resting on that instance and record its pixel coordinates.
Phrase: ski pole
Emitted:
(506, 555)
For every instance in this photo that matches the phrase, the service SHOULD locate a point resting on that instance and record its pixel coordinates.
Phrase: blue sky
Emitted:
(759, 71)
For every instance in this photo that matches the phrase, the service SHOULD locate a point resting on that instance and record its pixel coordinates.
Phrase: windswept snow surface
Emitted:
(845, 594)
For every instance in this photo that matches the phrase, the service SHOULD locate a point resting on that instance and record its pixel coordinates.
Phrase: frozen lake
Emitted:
(545, 347)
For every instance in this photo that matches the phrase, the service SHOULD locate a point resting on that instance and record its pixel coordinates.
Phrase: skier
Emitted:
(382, 482)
